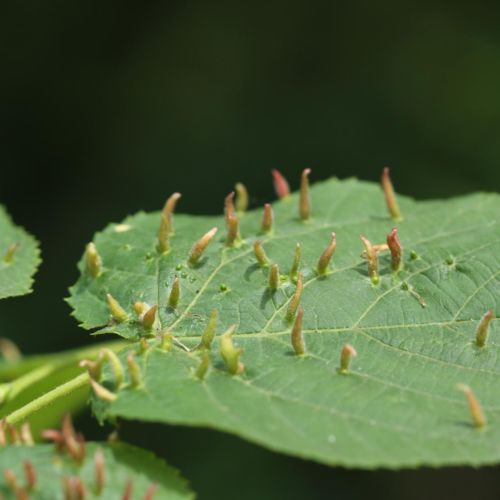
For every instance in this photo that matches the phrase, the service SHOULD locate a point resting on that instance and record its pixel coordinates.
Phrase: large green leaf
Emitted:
(122, 463)
(398, 406)
(19, 258)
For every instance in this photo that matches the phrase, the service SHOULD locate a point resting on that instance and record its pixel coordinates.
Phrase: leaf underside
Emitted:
(398, 405)
(122, 463)
(16, 273)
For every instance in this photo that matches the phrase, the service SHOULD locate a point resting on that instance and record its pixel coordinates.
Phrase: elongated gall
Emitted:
(13, 434)
(372, 258)
(483, 327)
(230, 354)
(478, 418)
(229, 207)
(9, 350)
(175, 293)
(134, 371)
(11, 250)
(296, 263)
(150, 492)
(127, 492)
(327, 254)
(297, 337)
(199, 247)
(281, 186)
(99, 471)
(274, 277)
(304, 195)
(165, 341)
(93, 367)
(203, 366)
(346, 354)
(10, 479)
(295, 300)
(233, 231)
(101, 392)
(396, 249)
(149, 318)
(26, 436)
(29, 474)
(166, 223)
(390, 195)
(117, 312)
(208, 334)
(74, 446)
(116, 365)
(260, 254)
(93, 260)
(267, 218)
(242, 198)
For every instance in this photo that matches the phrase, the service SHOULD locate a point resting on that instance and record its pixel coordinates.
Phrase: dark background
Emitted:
(108, 107)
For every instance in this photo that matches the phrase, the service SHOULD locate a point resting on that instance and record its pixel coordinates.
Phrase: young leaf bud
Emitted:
(327, 254)
(482, 328)
(200, 246)
(390, 195)
(281, 186)
(93, 260)
(304, 196)
(260, 255)
(117, 312)
(346, 354)
(372, 258)
(478, 418)
(241, 197)
(267, 218)
(295, 300)
(396, 250)
(229, 353)
(296, 335)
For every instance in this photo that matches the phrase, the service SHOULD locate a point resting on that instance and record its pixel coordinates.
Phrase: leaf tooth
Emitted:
(203, 366)
(117, 312)
(233, 231)
(372, 258)
(199, 247)
(101, 392)
(346, 354)
(260, 254)
(281, 186)
(166, 223)
(175, 293)
(296, 262)
(274, 277)
(231, 354)
(394, 244)
(295, 300)
(267, 218)
(134, 371)
(483, 327)
(93, 260)
(99, 471)
(241, 203)
(11, 250)
(208, 334)
(390, 195)
(327, 254)
(304, 195)
(297, 337)
(29, 474)
(477, 414)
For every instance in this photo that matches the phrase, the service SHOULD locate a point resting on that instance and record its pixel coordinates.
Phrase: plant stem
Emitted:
(48, 398)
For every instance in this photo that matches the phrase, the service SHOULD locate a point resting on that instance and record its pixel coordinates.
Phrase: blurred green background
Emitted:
(108, 107)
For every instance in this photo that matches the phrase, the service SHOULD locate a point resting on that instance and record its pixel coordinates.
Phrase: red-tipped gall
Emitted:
(281, 186)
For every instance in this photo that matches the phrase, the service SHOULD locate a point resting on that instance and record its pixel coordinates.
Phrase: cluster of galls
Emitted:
(229, 353)
(71, 444)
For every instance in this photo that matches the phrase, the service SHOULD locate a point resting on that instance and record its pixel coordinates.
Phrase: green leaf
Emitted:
(414, 333)
(19, 258)
(122, 463)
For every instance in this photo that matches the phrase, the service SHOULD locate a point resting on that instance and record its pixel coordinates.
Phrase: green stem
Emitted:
(48, 398)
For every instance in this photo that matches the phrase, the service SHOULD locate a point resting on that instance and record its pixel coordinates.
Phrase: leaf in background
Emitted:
(414, 332)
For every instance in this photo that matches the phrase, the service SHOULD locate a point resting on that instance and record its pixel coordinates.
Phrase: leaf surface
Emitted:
(414, 333)
(16, 271)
